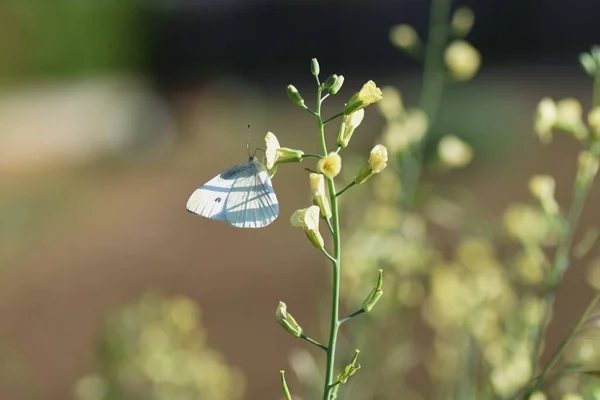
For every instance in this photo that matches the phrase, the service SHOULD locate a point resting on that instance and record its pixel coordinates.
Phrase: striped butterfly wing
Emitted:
(209, 200)
(252, 202)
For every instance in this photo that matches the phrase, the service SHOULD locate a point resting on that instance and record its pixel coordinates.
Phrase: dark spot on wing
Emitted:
(218, 200)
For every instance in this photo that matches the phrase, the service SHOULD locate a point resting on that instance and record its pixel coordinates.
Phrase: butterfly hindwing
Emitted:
(252, 202)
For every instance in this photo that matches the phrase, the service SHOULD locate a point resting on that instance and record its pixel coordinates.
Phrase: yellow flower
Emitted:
(369, 94)
(287, 321)
(378, 158)
(404, 36)
(569, 115)
(377, 163)
(542, 187)
(348, 125)
(317, 187)
(545, 119)
(308, 219)
(462, 59)
(594, 121)
(391, 105)
(275, 154)
(454, 152)
(330, 165)
(462, 21)
(398, 136)
(538, 396)
(588, 168)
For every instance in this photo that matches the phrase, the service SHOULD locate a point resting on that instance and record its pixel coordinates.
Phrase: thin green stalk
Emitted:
(431, 90)
(335, 301)
(332, 118)
(350, 316)
(312, 341)
(563, 345)
(344, 189)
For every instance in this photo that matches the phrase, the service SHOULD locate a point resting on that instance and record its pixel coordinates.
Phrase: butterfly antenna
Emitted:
(248, 142)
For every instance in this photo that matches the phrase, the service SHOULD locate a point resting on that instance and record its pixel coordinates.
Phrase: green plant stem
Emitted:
(344, 189)
(284, 387)
(335, 301)
(308, 155)
(332, 118)
(563, 345)
(432, 88)
(350, 316)
(312, 341)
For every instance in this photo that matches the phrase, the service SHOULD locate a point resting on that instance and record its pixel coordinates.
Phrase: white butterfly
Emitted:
(241, 195)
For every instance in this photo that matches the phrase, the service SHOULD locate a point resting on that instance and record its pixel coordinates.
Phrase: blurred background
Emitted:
(112, 112)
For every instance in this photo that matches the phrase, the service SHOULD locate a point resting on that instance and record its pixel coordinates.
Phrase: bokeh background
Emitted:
(112, 112)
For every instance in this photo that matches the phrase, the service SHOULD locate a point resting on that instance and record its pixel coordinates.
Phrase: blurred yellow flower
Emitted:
(587, 167)
(526, 224)
(594, 121)
(462, 60)
(545, 119)
(462, 21)
(399, 135)
(404, 36)
(538, 396)
(454, 152)
(391, 105)
(593, 274)
(542, 187)
(570, 117)
(367, 95)
(330, 165)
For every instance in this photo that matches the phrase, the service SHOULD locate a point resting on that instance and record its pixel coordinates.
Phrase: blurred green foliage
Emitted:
(66, 38)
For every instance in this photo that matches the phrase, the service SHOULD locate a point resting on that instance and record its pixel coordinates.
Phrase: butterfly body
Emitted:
(242, 195)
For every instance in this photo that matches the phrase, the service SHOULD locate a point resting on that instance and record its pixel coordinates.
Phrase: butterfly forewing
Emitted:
(209, 200)
(252, 203)
(241, 195)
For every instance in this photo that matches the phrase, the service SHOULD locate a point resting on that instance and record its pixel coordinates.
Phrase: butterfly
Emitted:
(241, 195)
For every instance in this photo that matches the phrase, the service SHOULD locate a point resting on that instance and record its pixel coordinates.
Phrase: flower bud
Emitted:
(314, 67)
(377, 162)
(333, 84)
(295, 96)
(348, 125)
(462, 21)
(375, 294)
(368, 94)
(545, 119)
(542, 187)
(308, 219)
(350, 369)
(330, 165)
(569, 118)
(594, 121)
(588, 168)
(462, 60)
(287, 321)
(404, 37)
(454, 152)
(317, 187)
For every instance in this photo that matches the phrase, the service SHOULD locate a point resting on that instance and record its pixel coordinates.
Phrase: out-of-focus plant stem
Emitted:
(562, 258)
(434, 72)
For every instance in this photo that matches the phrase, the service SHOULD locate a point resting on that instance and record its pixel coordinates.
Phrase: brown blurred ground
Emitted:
(118, 229)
